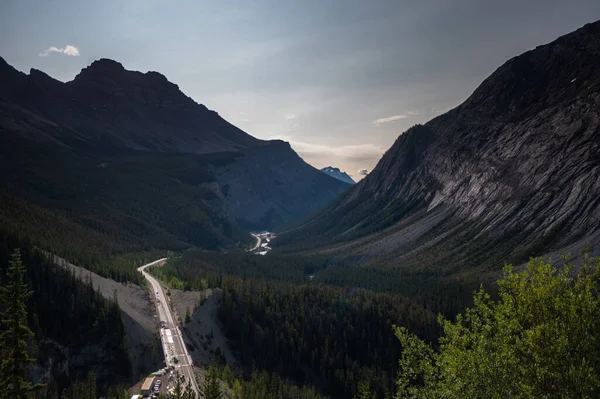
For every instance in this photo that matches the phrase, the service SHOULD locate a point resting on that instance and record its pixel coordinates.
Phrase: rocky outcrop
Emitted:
(338, 174)
(515, 167)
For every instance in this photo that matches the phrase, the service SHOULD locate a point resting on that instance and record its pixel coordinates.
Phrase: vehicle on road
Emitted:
(147, 385)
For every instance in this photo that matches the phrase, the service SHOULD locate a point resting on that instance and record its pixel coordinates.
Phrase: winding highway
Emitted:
(258, 241)
(262, 248)
(170, 333)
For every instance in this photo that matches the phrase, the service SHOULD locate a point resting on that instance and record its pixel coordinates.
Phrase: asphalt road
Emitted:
(262, 243)
(170, 335)
(258, 241)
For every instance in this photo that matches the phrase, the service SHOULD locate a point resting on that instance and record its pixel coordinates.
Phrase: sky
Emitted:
(338, 79)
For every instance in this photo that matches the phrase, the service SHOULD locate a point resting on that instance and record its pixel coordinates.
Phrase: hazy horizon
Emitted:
(339, 81)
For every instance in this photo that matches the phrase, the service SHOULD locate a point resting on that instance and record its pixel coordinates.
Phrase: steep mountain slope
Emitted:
(290, 191)
(338, 174)
(512, 172)
(133, 164)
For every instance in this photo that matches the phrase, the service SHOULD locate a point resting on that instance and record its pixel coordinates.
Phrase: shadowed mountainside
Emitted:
(118, 161)
(510, 173)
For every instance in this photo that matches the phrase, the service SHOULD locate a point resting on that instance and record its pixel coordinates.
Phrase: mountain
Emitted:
(510, 173)
(118, 161)
(290, 191)
(338, 174)
(107, 104)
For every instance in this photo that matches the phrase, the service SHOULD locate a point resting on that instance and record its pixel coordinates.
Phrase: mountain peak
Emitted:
(541, 77)
(105, 65)
(36, 73)
(6, 68)
(104, 71)
(338, 174)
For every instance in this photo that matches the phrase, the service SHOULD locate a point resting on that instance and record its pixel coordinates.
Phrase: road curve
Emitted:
(258, 241)
(170, 335)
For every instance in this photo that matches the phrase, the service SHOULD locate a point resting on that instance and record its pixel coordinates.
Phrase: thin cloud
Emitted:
(67, 50)
(290, 115)
(394, 118)
(381, 121)
(350, 152)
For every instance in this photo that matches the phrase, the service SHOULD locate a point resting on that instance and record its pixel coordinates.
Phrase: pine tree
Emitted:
(236, 389)
(212, 387)
(14, 334)
(189, 392)
(228, 376)
(364, 391)
(178, 390)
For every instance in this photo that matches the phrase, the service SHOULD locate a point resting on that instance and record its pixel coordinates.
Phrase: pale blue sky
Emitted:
(339, 79)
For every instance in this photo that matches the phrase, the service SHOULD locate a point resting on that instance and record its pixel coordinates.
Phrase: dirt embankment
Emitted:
(203, 334)
(137, 310)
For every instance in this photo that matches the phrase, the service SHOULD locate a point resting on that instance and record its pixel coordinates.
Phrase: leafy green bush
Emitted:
(540, 339)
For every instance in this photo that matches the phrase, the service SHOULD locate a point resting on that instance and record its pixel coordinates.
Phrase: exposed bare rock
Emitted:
(515, 170)
(203, 333)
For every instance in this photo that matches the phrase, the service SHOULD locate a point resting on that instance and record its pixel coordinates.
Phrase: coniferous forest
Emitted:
(282, 318)
(330, 337)
(349, 342)
(75, 330)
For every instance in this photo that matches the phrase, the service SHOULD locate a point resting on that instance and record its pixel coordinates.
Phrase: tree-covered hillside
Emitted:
(76, 330)
(279, 316)
(95, 208)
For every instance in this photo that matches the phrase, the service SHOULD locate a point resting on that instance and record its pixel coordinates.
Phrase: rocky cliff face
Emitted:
(111, 111)
(514, 169)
